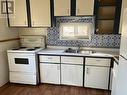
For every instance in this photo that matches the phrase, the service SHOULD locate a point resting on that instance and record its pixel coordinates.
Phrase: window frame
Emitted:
(90, 31)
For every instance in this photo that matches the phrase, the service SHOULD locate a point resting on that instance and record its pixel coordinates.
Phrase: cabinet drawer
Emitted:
(72, 60)
(98, 61)
(50, 59)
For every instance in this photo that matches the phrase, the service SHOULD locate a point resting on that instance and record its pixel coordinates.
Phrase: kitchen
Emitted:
(63, 47)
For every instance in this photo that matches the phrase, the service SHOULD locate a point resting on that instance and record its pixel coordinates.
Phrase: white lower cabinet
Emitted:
(72, 70)
(72, 74)
(50, 73)
(97, 73)
(69, 70)
(96, 77)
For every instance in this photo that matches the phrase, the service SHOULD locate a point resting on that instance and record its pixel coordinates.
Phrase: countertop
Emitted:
(116, 59)
(62, 53)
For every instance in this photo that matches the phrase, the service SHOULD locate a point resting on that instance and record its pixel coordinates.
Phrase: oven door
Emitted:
(22, 62)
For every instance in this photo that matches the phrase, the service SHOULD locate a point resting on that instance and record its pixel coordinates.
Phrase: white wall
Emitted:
(6, 33)
(124, 5)
(4, 76)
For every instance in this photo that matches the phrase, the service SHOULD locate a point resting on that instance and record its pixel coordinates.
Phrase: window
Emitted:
(75, 31)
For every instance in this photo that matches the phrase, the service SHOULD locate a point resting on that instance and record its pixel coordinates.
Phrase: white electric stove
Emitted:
(23, 61)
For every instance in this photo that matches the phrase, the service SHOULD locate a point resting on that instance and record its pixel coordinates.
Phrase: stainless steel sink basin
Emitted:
(85, 52)
(69, 50)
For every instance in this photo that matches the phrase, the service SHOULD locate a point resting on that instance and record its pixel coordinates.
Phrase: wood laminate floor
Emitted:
(45, 89)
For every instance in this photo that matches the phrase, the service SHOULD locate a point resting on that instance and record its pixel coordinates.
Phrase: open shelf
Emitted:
(106, 12)
(105, 19)
(105, 26)
(107, 2)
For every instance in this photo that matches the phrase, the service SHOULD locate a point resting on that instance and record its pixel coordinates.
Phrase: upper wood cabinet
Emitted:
(84, 7)
(107, 13)
(19, 17)
(31, 13)
(73, 7)
(62, 7)
(40, 13)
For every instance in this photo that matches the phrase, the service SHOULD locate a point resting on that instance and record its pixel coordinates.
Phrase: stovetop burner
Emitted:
(26, 49)
(30, 49)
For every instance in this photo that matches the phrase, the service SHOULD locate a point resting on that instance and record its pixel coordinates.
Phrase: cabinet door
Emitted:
(121, 77)
(40, 13)
(96, 77)
(72, 74)
(84, 7)
(19, 17)
(123, 46)
(111, 79)
(50, 73)
(62, 7)
(114, 79)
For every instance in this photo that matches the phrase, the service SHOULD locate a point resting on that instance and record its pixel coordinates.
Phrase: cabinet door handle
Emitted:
(98, 60)
(33, 23)
(25, 23)
(87, 70)
(78, 11)
(49, 57)
(58, 67)
(68, 11)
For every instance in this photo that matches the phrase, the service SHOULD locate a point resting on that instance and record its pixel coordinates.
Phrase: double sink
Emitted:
(77, 51)
(87, 52)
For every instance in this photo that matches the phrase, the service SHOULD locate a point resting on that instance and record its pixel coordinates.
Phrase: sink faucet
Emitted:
(79, 46)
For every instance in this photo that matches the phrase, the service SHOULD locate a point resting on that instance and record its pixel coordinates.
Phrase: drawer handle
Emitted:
(78, 11)
(49, 57)
(25, 23)
(68, 11)
(87, 70)
(98, 60)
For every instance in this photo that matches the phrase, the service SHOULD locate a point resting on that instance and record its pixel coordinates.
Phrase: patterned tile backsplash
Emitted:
(103, 41)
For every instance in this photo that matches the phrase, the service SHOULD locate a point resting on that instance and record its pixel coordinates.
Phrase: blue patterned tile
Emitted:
(106, 41)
